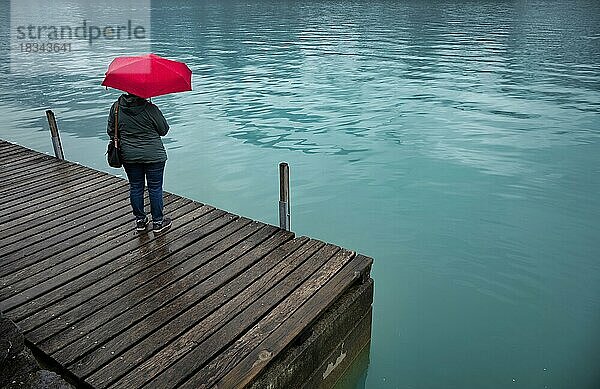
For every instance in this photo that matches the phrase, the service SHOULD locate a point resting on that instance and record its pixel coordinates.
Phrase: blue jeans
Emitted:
(138, 173)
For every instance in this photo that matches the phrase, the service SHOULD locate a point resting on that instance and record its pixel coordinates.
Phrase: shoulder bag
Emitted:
(113, 152)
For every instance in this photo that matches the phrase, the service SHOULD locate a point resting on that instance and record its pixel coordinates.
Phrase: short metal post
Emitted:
(58, 150)
(284, 196)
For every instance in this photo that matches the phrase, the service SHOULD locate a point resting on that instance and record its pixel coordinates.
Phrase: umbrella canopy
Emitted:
(148, 75)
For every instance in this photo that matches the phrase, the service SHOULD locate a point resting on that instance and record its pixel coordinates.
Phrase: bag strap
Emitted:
(117, 124)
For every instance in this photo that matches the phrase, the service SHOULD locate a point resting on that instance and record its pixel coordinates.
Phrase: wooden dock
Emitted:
(218, 301)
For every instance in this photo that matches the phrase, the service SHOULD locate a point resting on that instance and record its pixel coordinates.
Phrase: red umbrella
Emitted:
(148, 75)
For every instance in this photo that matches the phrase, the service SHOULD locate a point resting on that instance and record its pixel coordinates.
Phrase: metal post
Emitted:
(58, 150)
(284, 196)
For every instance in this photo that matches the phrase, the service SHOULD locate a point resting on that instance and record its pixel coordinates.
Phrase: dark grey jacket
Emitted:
(141, 124)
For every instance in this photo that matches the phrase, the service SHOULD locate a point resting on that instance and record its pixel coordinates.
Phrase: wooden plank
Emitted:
(12, 145)
(77, 256)
(39, 162)
(43, 199)
(27, 165)
(20, 161)
(85, 189)
(8, 165)
(16, 250)
(233, 370)
(30, 252)
(105, 235)
(9, 148)
(28, 176)
(9, 154)
(5, 144)
(88, 272)
(145, 318)
(123, 244)
(174, 315)
(299, 290)
(25, 278)
(17, 147)
(202, 341)
(74, 218)
(55, 210)
(58, 185)
(267, 254)
(54, 335)
(24, 155)
(9, 144)
(29, 205)
(52, 183)
(203, 231)
(227, 331)
(44, 224)
(79, 169)
(8, 168)
(21, 182)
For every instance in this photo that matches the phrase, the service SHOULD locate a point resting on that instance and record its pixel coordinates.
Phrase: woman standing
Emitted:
(141, 126)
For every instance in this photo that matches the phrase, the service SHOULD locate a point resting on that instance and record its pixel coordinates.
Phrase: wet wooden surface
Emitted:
(211, 302)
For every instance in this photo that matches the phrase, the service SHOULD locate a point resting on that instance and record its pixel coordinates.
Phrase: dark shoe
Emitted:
(161, 226)
(141, 224)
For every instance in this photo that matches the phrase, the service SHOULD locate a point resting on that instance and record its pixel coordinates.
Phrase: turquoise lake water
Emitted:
(455, 142)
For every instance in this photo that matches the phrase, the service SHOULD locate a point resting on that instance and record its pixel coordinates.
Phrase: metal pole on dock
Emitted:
(58, 150)
(284, 196)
